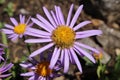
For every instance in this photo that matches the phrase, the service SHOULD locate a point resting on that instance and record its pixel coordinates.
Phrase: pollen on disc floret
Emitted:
(63, 36)
(20, 28)
(43, 69)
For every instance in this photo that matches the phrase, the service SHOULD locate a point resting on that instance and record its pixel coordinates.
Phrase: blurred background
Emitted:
(104, 14)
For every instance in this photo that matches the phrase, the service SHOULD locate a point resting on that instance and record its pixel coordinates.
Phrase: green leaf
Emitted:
(117, 65)
(99, 71)
(8, 78)
(88, 62)
(1, 25)
(2, 1)
(9, 9)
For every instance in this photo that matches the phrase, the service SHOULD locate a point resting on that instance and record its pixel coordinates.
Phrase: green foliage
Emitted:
(117, 65)
(4, 40)
(2, 1)
(100, 70)
(16, 71)
(1, 25)
(9, 9)
(24, 58)
(8, 78)
(88, 62)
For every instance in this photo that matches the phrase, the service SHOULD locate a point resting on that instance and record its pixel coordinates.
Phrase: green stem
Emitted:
(4, 41)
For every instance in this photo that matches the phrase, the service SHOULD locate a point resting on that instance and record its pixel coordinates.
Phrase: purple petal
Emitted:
(54, 17)
(41, 50)
(9, 26)
(66, 62)
(55, 51)
(25, 65)
(23, 20)
(14, 21)
(87, 47)
(33, 67)
(57, 67)
(39, 78)
(76, 16)
(42, 25)
(49, 16)
(38, 40)
(78, 52)
(76, 59)
(57, 16)
(89, 56)
(1, 58)
(61, 16)
(54, 59)
(21, 35)
(30, 25)
(62, 56)
(80, 25)
(87, 32)
(6, 68)
(3, 45)
(37, 31)
(3, 65)
(15, 38)
(98, 32)
(5, 75)
(12, 35)
(44, 21)
(36, 35)
(28, 20)
(20, 16)
(27, 74)
(7, 31)
(71, 57)
(43, 78)
(69, 15)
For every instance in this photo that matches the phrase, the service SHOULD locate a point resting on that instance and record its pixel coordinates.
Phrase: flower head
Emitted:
(98, 56)
(40, 70)
(4, 68)
(2, 46)
(19, 29)
(62, 36)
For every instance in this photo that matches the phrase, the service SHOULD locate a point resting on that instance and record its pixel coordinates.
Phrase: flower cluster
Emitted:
(19, 29)
(1, 52)
(60, 35)
(40, 69)
(4, 67)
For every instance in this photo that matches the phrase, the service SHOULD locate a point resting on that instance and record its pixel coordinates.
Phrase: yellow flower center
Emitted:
(20, 28)
(63, 36)
(42, 69)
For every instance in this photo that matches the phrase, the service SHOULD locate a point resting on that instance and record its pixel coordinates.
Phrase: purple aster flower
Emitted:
(39, 70)
(19, 28)
(4, 68)
(2, 51)
(62, 36)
